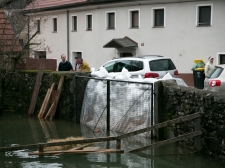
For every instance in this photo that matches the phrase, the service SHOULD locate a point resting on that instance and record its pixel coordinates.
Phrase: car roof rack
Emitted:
(142, 56)
(148, 56)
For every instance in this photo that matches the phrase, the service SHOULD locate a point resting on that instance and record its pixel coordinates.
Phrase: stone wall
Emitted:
(176, 101)
(17, 88)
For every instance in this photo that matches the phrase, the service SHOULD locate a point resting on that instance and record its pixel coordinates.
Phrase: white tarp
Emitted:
(130, 103)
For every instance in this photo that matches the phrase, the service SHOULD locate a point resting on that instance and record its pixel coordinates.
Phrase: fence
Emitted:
(196, 133)
(121, 106)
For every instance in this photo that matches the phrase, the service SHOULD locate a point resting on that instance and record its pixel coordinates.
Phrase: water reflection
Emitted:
(19, 130)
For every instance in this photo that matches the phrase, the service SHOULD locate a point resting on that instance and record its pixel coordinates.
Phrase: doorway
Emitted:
(126, 54)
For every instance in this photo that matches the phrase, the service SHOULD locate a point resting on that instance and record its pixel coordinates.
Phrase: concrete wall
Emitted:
(180, 39)
(177, 101)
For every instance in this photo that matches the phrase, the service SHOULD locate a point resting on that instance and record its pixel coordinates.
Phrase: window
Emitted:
(137, 66)
(134, 19)
(38, 26)
(130, 65)
(109, 66)
(221, 58)
(74, 23)
(40, 54)
(161, 65)
(110, 20)
(122, 64)
(89, 22)
(204, 15)
(54, 24)
(158, 17)
(216, 72)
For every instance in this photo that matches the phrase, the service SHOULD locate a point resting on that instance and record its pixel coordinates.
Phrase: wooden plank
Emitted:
(46, 102)
(19, 147)
(78, 151)
(52, 110)
(53, 96)
(36, 89)
(160, 125)
(40, 145)
(168, 141)
(41, 112)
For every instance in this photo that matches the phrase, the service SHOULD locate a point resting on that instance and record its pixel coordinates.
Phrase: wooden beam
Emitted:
(46, 102)
(168, 141)
(160, 125)
(40, 145)
(52, 110)
(77, 151)
(36, 89)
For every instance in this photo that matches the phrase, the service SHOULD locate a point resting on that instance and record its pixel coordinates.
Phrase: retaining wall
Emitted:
(176, 101)
(16, 91)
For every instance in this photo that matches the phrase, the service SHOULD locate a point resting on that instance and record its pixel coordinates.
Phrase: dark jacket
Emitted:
(66, 66)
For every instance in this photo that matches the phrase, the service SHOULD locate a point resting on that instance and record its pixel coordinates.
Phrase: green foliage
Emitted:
(56, 77)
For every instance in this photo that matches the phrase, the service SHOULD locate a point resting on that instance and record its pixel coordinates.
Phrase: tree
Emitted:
(14, 34)
(15, 40)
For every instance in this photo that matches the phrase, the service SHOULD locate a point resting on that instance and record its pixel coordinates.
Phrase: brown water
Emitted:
(17, 129)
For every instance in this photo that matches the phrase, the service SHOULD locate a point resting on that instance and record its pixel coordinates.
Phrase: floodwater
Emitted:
(17, 129)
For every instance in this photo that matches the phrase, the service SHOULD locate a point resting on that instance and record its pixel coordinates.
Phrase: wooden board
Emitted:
(46, 102)
(36, 89)
(52, 110)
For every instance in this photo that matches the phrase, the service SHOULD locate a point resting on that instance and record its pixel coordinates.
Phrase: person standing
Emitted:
(65, 65)
(81, 65)
(209, 67)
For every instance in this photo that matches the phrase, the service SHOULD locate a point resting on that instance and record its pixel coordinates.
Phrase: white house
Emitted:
(183, 30)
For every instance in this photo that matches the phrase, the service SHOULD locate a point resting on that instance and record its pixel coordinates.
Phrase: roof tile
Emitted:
(41, 4)
(8, 41)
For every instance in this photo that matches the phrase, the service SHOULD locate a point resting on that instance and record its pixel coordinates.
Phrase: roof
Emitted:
(47, 5)
(125, 42)
(43, 4)
(8, 41)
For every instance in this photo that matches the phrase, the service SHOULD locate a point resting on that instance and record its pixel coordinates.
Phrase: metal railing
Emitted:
(196, 133)
(120, 100)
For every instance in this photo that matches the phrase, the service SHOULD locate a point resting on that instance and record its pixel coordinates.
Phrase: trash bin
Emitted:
(199, 77)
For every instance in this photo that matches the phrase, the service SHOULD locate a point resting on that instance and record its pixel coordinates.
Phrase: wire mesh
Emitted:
(130, 103)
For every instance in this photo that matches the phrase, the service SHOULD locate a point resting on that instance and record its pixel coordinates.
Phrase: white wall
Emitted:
(180, 39)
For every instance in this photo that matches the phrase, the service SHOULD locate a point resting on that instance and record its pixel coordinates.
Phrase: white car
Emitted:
(216, 81)
(148, 66)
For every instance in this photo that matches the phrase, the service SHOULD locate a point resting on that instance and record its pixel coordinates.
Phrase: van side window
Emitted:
(161, 65)
(122, 64)
(110, 66)
(136, 65)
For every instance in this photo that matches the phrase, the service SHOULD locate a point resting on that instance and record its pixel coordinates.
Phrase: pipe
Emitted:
(68, 37)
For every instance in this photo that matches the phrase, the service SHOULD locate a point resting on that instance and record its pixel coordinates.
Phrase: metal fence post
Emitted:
(152, 97)
(108, 105)
(76, 113)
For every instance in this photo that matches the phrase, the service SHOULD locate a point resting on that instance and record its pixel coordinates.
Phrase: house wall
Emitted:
(180, 39)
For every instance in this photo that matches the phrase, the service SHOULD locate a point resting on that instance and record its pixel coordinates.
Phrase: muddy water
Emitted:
(17, 129)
